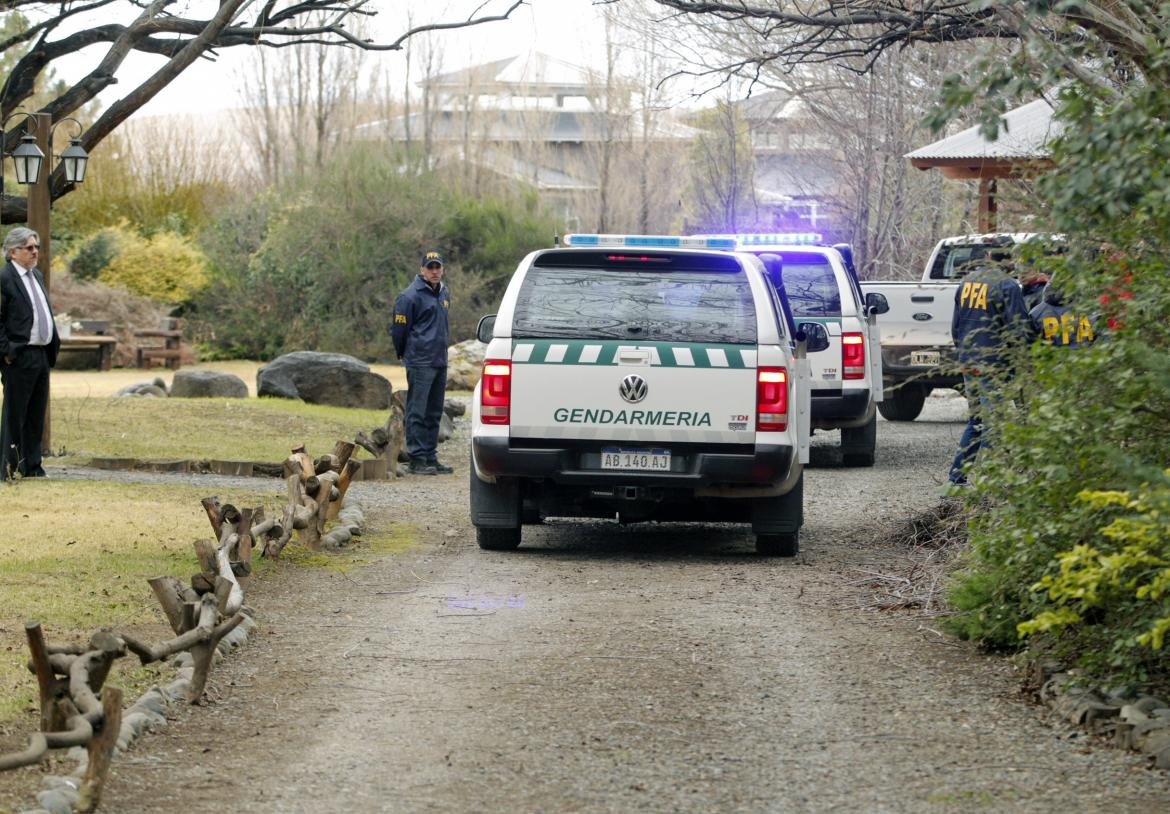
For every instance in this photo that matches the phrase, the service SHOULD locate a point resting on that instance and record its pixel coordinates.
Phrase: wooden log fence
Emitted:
(77, 710)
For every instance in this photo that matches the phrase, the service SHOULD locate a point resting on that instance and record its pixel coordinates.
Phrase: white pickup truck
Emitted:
(916, 331)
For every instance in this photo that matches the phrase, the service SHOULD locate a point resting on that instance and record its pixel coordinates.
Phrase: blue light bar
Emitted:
(747, 241)
(722, 242)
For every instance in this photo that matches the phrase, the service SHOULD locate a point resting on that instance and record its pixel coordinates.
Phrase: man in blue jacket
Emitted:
(420, 332)
(989, 325)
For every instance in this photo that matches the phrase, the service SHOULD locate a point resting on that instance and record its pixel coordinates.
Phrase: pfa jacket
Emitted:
(419, 325)
(989, 320)
(1056, 323)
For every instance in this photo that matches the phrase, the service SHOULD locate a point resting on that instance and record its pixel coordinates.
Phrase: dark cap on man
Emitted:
(432, 258)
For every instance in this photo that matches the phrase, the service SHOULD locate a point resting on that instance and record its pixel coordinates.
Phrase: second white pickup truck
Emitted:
(916, 331)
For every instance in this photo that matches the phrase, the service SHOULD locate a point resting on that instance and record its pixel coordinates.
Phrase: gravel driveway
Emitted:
(604, 668)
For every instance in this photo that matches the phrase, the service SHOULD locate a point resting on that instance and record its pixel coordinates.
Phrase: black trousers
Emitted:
(22, 419)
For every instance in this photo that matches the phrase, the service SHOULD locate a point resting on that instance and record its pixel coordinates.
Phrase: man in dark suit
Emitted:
(28, 349)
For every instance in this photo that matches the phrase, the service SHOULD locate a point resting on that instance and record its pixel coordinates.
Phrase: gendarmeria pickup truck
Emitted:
(642, 378)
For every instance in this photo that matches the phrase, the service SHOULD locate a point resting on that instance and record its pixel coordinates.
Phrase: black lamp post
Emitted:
(27, 157)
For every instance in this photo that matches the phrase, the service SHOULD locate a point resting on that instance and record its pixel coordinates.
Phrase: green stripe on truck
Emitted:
(605, 352)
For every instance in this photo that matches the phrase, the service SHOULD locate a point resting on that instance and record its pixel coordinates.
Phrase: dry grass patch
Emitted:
(75, 556)
(200, 429)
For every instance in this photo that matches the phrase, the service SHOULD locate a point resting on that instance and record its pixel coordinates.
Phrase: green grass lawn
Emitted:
(199, 429)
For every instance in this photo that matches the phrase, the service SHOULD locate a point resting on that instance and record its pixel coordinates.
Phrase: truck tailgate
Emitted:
(920, 313)
(612, 390)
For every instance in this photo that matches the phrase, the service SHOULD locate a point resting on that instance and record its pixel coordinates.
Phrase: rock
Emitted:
(153, 700)
(207, 384)
(324, 378)
(464, 364)
(54, 801)
(151, 389)
(454, 408)
(1148, 703)
(446, 428)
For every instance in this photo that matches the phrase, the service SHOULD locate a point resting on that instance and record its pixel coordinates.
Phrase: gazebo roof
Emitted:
(1023, 141)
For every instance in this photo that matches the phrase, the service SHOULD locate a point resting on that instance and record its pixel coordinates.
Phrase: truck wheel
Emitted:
(778, 545)
(903, 403)
(495, 512)
(491, 539)
(776, 522)
(858, 443)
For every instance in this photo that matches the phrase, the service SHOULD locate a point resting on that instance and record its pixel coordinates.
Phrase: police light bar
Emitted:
(722, 242)
(745, 241)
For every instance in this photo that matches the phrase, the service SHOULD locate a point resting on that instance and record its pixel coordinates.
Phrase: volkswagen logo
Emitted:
(633, 389)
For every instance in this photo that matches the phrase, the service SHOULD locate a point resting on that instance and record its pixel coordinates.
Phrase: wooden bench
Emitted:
(170, 356)
(169, 351)
(104, 345)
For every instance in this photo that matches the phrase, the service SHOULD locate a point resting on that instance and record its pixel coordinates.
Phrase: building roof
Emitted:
(1024, 134)
(531, 74)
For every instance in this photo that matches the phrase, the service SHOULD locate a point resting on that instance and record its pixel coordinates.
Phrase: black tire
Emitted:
(859, 443)
(491, 539)
(903, 402)
(778, 545)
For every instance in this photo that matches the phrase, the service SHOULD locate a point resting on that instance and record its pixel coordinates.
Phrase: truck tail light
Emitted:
(852, 356)
(495, 392)
(771, 399)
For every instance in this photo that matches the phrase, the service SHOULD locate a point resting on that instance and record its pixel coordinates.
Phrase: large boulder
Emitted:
(207, 384)
(464, 364)
(324, 378)
(153, 389)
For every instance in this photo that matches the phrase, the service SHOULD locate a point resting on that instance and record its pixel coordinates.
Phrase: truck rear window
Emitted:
(664, 305)
(811, 285)
(954, 260)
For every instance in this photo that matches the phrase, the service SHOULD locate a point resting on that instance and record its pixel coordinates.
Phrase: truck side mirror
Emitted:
(485, 331)
(813, 335)
(774, 265)
(876, 303)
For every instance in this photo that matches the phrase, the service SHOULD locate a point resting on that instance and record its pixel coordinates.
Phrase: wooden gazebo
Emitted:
(1020, 148)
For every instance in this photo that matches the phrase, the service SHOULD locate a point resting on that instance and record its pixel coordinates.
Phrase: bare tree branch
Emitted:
(181, 40)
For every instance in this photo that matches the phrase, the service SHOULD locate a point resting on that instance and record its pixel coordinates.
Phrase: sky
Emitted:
(569, 29)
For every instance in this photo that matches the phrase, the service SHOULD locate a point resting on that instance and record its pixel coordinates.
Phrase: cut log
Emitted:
(46, 681)
(343, 483)
(101, 749)
(306, 461)
(365, 442)
(312, 486)
(342, 451)
(229, 514)
(38, 747)
(236, 599)
(244, 544)
(211, 506)
(324, 498)
(325, 463)
(169, 592)
(112, 648)
(205, 553)
(200, 632)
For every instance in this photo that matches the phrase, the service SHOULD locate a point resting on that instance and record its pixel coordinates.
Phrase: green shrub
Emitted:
(1069, 542)
(94, 254)
(318, 263)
